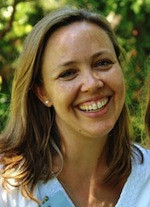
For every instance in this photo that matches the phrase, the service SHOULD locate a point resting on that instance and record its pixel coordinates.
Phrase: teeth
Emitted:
(86, 108)
(90, 107)
(82, 107)
(94, 106)
(99, 104)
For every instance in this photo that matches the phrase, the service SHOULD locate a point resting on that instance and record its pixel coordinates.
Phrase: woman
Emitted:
(67, 141)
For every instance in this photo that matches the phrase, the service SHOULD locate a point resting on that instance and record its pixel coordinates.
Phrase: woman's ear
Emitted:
(41, 94)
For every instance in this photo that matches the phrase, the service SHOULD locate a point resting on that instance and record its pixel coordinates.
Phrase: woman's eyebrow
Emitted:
(99, 53)
(67, 63)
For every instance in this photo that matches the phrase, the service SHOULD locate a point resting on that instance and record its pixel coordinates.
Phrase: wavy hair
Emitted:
(31, 139)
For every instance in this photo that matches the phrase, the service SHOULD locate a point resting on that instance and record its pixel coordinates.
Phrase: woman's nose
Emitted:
(91, 82)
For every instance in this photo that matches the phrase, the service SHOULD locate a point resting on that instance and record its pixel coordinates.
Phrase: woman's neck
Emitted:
(84, 169)
(82, 156)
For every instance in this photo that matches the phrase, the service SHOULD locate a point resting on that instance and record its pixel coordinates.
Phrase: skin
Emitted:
(80, 68)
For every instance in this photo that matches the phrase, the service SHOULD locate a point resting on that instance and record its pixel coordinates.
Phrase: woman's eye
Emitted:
(67, 74)
(104, 64)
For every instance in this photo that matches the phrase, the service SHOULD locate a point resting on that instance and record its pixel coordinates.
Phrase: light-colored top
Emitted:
(135, 193)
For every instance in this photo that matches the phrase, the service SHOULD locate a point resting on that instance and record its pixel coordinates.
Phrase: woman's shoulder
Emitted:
(142, 152)
(13, 197)
(140, 178)
(137, 188)
(52, 190)
(141, 162)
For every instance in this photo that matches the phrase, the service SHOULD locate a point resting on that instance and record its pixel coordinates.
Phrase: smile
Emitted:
(95, 106)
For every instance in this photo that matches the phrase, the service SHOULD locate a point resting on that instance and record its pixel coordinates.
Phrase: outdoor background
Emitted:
(130, 20)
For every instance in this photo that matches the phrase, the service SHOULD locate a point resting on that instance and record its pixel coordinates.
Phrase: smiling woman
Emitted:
(68, 141)
(87, 77)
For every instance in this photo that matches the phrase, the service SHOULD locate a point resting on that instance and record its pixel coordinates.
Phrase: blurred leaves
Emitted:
(4, 107)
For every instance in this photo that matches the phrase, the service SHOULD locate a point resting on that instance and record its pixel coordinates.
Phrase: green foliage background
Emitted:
(130, 20)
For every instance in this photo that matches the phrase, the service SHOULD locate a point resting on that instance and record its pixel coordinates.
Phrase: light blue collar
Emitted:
(54, 195)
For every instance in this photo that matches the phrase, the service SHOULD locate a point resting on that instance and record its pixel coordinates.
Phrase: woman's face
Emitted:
(83, 80)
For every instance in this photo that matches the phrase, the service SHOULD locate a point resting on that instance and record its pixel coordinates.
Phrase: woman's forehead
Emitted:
(78, 42)
(76, 36)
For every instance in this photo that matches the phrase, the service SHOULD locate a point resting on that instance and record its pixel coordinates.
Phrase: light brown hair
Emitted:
(30, 139)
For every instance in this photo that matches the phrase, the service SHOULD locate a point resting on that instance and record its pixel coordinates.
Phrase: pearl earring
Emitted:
(46, 102)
